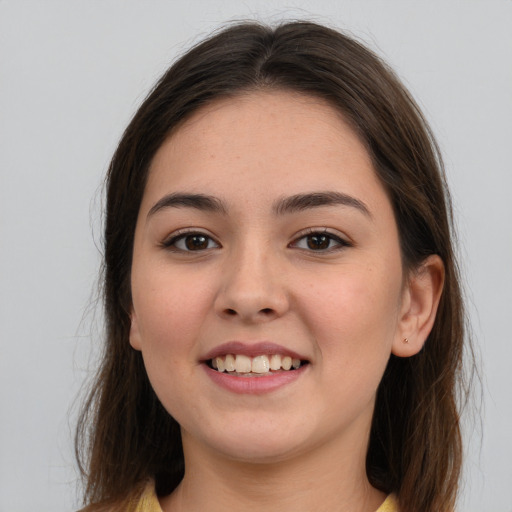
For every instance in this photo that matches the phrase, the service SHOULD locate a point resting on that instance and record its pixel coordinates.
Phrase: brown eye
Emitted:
(191, 242)
(196, 242)
(318, 242)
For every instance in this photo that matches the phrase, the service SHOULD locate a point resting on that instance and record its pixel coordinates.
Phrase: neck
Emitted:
(326, 479)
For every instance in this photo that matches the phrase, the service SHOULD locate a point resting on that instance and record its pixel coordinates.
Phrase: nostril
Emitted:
(264, 311)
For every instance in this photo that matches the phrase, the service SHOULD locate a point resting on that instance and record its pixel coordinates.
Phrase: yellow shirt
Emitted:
(389, 505)
(149, 502)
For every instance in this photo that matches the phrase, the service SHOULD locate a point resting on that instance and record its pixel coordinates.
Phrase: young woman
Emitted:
(284, 318)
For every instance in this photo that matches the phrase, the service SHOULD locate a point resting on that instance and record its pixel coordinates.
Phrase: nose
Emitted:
(252, 288)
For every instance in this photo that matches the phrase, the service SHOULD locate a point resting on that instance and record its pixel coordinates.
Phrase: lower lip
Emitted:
(254, 385)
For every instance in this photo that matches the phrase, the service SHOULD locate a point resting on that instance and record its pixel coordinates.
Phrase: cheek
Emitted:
(354, 316)
(170, 309)
(170, 313)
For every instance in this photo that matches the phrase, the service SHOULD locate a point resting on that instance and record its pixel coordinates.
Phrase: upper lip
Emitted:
(251, 350)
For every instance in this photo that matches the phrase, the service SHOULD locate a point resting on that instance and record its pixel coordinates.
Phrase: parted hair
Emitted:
(124, 435)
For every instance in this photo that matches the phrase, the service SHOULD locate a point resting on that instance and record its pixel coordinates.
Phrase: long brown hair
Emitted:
(125, 436)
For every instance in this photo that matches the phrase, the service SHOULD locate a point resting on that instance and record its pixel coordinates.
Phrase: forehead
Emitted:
(264, 144)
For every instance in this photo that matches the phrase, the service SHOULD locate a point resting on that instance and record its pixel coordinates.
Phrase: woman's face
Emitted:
(264, 238)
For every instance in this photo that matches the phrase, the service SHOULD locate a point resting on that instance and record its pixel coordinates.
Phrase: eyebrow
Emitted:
(302, 202)
(201, 202)
(287, 205)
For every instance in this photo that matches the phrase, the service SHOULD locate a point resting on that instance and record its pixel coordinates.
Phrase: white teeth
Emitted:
(220, 364)
(286, 363)
(275, 362)
(243, 364)
(260, 364)
(229, 363)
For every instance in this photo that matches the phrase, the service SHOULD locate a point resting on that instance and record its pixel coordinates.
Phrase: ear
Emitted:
(135, 338)
(420, 301)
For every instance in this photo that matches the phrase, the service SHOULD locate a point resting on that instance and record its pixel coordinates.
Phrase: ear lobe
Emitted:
(135, 338)
(419, 307)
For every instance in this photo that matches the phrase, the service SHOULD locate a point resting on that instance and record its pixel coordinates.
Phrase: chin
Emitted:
(261, 453)
(258, 443)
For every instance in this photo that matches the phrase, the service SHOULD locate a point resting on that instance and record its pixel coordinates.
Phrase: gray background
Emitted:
(72, 74)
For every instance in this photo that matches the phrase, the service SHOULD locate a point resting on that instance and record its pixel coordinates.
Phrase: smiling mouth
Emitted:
(259, 366)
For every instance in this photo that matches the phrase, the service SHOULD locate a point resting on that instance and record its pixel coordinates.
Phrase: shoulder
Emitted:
(390, 505)
(142, 499)
(147, 501)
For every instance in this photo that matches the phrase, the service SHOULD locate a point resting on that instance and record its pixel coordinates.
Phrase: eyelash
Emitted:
(171, 242)
(340, 243)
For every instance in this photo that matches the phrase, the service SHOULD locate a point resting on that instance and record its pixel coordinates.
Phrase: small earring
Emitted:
(406, 340)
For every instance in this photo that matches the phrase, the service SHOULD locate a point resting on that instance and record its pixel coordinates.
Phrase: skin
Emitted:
(345, 308)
